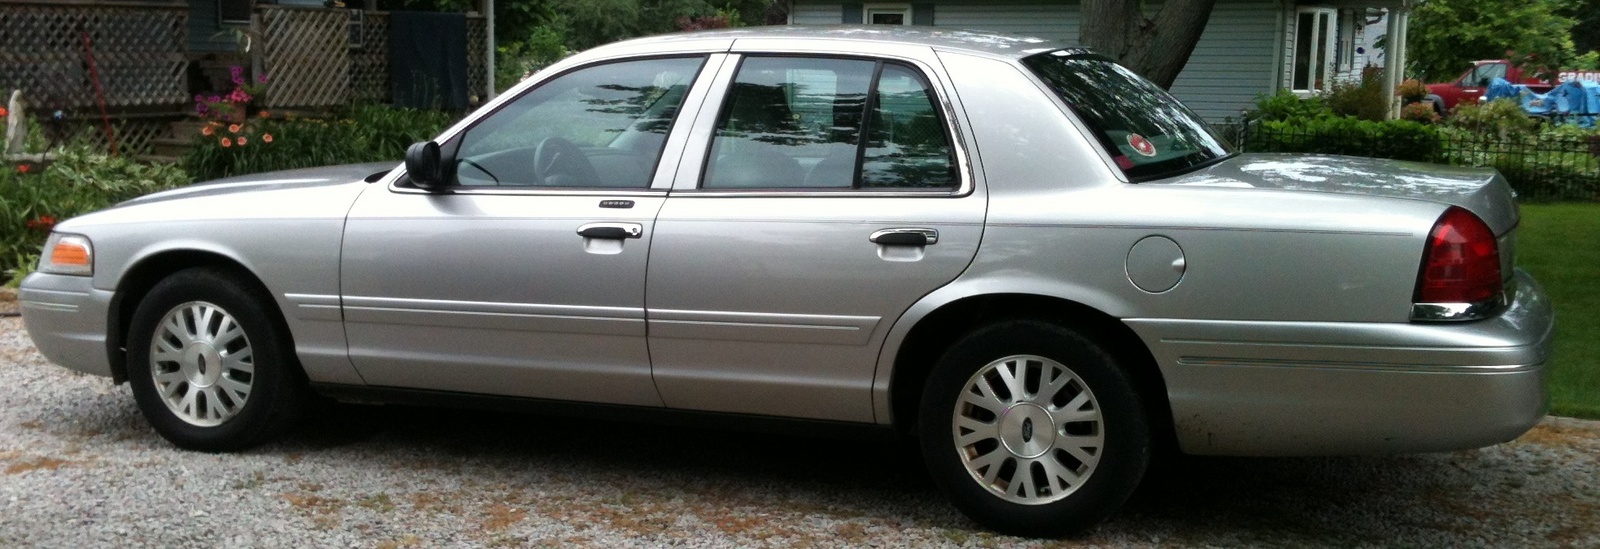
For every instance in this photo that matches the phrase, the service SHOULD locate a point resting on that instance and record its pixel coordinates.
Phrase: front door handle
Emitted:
(611, 231)
(905, 237)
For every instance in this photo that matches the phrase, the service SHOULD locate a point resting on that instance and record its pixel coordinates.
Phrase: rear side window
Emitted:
(1148, 134)
(827, 123)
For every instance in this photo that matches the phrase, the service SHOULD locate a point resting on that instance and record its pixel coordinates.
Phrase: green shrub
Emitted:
(1553, 163)
(1366, 99)
(1397, 139)
(1419, 112)
(1500, 119)
(516, 60)
(367, 133)
(1412, 90)
(1285, 105)
(81, 180)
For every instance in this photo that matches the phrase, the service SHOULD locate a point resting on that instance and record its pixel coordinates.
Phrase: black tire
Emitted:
(1061, 508)
(275, 388)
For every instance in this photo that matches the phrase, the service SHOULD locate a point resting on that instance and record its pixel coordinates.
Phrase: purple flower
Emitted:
(261, 79)
(215, 99)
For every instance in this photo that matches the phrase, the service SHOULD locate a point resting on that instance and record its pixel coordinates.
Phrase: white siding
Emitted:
(1238, 57)
(816, 14)
(1234, 60)
(1056, 20)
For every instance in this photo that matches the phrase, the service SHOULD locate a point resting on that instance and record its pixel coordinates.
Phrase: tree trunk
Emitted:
(1156, 47)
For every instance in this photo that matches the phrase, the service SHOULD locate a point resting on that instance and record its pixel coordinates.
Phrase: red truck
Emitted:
(1471, 85)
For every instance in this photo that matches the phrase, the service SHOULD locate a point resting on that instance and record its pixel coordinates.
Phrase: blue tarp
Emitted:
(1574, 102)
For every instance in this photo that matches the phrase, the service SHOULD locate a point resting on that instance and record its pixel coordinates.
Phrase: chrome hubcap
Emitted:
(1028, 429)
(202, 363)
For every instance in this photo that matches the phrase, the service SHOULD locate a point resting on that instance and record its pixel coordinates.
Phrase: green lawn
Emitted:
(1560, 245)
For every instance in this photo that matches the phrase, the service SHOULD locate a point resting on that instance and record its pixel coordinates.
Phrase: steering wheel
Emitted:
(559, 163)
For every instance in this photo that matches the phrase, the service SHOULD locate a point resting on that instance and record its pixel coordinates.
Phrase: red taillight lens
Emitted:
(1462, 261)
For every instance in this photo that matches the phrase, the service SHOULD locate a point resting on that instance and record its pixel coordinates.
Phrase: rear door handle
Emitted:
(905, 237)
(611, 231)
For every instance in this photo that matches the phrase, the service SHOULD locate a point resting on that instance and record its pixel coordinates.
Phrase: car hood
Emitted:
(1483, 191)
(305, 178)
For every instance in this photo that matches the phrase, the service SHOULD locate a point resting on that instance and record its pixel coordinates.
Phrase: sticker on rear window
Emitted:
(1141, 145)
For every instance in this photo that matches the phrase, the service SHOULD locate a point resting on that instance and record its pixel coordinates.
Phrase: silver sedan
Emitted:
(1022, 254)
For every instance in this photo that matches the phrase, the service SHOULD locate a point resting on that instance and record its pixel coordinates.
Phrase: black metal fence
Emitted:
(1540, 165)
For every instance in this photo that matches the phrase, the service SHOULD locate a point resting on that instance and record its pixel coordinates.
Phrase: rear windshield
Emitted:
(1148, 134)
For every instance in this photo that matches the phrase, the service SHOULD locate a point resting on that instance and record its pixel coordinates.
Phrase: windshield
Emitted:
(1147, 133)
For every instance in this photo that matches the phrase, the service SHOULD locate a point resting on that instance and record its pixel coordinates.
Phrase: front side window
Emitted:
(1147, 133)
(600, 126)
(816, 123)
(1482, 75)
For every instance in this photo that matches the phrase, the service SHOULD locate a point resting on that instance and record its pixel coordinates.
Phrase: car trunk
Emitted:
(1482, 191)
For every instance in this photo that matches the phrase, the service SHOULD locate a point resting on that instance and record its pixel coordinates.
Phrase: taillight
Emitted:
(1461, 263)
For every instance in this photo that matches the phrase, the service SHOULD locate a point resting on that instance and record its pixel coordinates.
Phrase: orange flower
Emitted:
(243, 141)
(227, 142)
(23, 168)
(267, 137)
(206, 130)
(265, 114)
(233, 129)
(4, 113)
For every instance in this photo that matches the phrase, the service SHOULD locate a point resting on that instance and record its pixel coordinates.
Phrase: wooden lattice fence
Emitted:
(306, 50)
(138, 52)
(306, 56)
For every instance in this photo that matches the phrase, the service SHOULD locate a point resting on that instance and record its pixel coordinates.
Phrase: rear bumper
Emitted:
(1308, 388)
(66, 317)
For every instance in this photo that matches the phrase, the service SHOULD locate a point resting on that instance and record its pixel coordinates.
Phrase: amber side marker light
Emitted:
(68, 255)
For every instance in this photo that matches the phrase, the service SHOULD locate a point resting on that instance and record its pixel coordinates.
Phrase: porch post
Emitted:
(1394, 60)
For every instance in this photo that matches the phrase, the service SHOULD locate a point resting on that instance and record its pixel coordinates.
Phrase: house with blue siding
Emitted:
(1248, 48)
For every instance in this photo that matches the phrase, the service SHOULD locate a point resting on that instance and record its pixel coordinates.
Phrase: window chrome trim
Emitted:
(1463, 312)
(533, 191)
(833, 193)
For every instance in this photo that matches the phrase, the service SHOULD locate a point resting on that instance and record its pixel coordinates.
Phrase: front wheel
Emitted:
(210, 364)
(1033, 430)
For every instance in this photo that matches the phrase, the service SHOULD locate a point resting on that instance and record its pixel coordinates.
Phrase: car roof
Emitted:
(944, 39)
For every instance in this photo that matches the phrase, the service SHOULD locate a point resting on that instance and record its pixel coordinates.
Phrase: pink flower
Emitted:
(261, 79)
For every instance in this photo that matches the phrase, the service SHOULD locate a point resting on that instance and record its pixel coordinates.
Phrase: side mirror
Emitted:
(423, 166)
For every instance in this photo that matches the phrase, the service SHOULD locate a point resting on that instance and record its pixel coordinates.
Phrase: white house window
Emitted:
(886, 14)
(1313, 49)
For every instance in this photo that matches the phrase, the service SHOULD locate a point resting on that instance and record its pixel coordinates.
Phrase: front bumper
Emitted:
(66, 317)
(1329, 388)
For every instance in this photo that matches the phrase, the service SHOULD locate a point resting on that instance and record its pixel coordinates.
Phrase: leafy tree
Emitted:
(1155, 45)
(1586, 34)
(1446, 35)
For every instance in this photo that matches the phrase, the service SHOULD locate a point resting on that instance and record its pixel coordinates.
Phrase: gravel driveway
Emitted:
(79, 468)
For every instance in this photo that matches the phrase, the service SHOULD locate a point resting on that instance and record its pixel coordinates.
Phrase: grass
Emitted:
(1557, 244)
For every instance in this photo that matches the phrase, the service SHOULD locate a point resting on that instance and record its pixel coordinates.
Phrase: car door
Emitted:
(524, 276)
(814, 206)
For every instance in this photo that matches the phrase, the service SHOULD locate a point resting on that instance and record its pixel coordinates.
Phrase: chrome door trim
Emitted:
(769, 327)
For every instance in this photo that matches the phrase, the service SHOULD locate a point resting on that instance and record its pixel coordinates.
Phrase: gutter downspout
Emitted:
(488, 11)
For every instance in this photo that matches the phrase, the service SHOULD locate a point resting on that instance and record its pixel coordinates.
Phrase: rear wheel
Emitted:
(209, 363)
(1032, 429)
